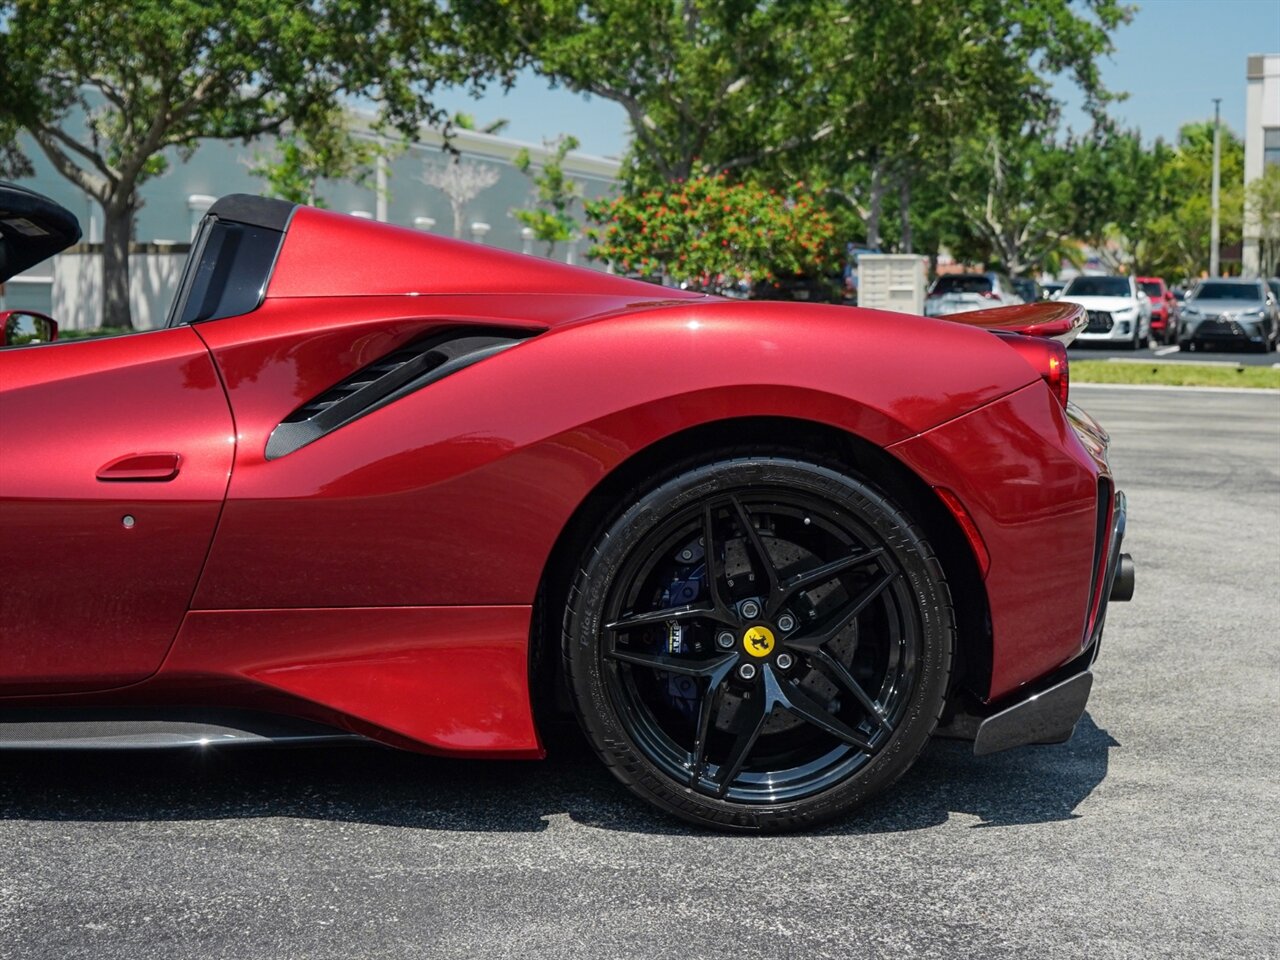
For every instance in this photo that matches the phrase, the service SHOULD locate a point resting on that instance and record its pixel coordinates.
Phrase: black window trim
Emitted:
(261, 213)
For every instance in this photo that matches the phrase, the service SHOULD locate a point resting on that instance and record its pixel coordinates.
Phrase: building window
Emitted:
(1270, 146)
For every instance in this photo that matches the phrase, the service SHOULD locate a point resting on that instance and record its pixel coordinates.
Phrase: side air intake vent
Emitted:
(403, 371)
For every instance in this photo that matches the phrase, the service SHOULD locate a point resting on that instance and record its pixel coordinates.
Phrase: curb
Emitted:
(1264, 391)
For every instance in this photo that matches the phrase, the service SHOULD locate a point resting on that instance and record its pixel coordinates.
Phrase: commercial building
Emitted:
(1261, 148)
(69, 286)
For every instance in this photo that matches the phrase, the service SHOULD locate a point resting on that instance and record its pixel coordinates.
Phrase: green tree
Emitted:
(147, 79)
(733, 84)
(466, 121)
(709, 230)
(698, 79)
(894, 87)
(323, 148)
(1116, 193)
(1174, 241)
(14, 164)
(1011, 200)
(552, 220)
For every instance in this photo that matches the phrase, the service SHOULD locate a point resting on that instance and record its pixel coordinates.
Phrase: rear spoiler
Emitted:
(1053, 319)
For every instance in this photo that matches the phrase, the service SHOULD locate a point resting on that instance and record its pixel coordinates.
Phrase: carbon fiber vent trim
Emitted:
(401, 372)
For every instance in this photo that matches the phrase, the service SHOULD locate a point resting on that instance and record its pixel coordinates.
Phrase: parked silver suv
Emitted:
(1230, 313)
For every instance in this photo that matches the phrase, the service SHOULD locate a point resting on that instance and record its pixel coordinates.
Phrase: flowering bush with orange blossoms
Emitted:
(710, 232)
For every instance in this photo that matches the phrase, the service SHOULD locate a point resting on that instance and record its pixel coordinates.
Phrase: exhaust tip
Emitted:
(1122, 585)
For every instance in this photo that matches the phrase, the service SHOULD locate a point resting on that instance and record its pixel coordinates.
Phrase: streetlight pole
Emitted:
(1214, 229)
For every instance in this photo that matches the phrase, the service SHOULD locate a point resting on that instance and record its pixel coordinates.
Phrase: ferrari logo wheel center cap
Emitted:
(758, 641)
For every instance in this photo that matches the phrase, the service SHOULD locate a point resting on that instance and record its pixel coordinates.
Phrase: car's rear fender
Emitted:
(517, 441)
(1033, 491)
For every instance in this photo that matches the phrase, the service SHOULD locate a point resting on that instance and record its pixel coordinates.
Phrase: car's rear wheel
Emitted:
(759, 644)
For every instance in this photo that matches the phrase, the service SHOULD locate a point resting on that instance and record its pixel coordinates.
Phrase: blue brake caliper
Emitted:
(682, 692)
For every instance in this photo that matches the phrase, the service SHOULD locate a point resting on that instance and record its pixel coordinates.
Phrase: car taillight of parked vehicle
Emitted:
(1048, 358)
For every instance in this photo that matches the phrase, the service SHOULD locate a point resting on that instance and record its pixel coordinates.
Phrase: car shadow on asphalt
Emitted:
(374, 785)
(1037, 784)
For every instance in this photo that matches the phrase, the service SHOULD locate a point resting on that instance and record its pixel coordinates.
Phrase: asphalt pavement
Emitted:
(1153, 833)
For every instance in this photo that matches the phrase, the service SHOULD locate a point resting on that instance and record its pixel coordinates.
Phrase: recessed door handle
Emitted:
(141, 466)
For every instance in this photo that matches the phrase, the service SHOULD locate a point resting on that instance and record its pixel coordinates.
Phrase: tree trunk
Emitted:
(874, 207)
(904, 211)
(117, 231)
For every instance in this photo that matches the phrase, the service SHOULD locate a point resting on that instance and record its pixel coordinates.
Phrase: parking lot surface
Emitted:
(1153, 833)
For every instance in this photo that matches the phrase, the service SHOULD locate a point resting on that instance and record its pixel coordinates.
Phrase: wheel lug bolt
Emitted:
(750, 609)
(724, 640)
(786, 622)
(784, 661)
(747, 671)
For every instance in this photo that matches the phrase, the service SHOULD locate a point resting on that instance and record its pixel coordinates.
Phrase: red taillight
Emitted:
(1058, 376)
(1048, 358)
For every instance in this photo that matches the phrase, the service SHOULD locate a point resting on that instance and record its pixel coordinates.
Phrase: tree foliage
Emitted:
(146, 80)
(691, 75)
(893, 87)
(552, 220)
(929, 123)
(710, 230)
(1174, 239)
(1011, 197)
(812, 86)
(467, 121)
(323, 147)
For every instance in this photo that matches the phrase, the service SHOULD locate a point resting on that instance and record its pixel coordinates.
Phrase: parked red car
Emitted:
(373, 483)
(1164, 309)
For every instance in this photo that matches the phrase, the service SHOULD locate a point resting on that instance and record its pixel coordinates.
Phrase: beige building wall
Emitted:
(1261, 143)
(76, 285)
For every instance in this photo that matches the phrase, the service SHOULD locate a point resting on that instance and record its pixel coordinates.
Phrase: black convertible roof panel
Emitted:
(253, 211)
(32, 228)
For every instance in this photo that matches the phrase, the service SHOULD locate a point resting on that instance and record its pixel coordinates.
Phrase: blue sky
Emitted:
(1172, 60)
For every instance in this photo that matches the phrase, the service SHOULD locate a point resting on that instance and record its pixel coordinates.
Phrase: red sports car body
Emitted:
(372, 482)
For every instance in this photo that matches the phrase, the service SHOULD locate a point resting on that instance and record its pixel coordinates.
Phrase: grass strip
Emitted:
(1174, 374)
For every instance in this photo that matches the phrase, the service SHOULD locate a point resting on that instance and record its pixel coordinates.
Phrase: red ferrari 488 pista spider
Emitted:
(369, 482)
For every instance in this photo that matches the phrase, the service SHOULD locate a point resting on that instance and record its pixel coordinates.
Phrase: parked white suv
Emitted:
(1119, 312)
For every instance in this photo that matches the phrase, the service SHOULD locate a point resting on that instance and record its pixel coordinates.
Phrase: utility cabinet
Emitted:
(891, 281)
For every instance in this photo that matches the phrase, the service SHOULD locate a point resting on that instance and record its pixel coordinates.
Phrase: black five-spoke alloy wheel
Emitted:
(759, 643)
